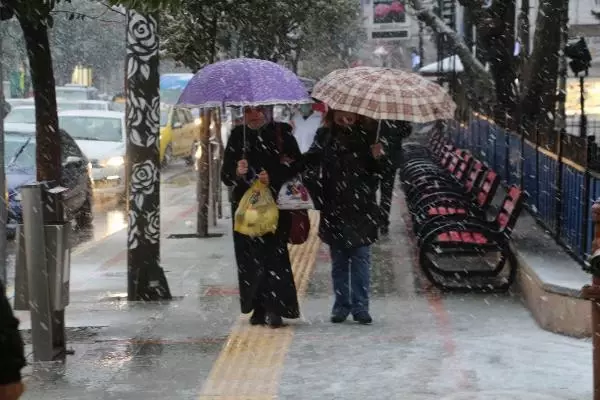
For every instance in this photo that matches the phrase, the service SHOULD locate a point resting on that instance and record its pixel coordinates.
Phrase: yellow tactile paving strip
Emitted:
(251, 362)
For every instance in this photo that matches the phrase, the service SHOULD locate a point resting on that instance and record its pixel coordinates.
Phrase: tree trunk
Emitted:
(48, 157)
(540, 75)
(500, 46)
(146, 279)
(214, 31)
(203, 176)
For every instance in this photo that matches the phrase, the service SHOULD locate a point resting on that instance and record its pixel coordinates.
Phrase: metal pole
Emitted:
(3, 206)
(421, 46)
(37, 272)
(562, 69)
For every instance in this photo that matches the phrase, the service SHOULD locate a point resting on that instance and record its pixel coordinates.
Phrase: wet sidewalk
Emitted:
(421, 346)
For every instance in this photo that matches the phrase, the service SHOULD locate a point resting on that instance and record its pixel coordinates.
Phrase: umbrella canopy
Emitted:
(243, 82)
(384, 93)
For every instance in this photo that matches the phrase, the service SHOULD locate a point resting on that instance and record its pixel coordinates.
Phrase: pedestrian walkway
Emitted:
(421, 346)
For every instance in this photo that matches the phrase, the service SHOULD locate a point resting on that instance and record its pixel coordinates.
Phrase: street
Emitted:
(422, 345)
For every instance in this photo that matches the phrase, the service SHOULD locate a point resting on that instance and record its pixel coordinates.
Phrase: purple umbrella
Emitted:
(243, 82)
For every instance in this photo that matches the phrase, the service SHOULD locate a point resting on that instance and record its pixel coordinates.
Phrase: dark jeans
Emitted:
(350, 273)
(386, 187)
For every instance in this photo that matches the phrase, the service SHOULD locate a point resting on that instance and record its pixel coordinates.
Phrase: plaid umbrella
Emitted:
(384, 93)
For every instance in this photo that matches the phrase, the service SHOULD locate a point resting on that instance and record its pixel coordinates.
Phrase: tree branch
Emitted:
(483, 82)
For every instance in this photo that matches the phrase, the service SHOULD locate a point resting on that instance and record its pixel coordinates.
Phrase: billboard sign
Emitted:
(389, 12)
(390, 20)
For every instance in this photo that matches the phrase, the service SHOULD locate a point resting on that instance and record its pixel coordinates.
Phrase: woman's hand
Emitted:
(12, 391)
(263, 177)
(242, 168)
(286, 160)
(377, 150)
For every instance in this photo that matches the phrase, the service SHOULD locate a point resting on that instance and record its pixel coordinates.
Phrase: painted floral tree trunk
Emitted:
(145, 277)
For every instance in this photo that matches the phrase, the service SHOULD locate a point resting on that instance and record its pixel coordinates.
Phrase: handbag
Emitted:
(294, 195)
(299, 220)
(300, 227)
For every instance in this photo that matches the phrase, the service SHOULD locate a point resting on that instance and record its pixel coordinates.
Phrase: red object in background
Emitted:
(319, 107)
(396, 7)
(381, 10)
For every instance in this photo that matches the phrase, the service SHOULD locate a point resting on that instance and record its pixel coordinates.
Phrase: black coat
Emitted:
(264, 268)
(262, 152)
(348, 186)
(12, 355)
(391, 135)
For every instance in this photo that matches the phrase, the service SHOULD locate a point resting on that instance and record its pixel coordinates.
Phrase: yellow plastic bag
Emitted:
(257, 213)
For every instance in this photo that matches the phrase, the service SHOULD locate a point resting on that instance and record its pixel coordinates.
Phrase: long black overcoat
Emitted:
(264, 268)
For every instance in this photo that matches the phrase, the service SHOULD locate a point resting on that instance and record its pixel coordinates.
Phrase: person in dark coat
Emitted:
(265, 275)
(392, 133)
(12, 353)
(347, 156)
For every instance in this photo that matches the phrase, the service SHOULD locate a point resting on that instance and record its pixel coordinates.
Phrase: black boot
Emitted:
(258, 316)
(274, 320)
(363, 317)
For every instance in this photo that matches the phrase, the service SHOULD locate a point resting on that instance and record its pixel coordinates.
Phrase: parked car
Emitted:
(21, 115)
(83, 105)
(19, 158)
(17, 102)
(178, 133)
(101, 136)
(76, 92)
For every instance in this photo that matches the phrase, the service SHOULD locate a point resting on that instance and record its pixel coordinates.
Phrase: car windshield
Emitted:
(106, 129)
(170, 96)
(21, 115)
(82, 106)
(18, 152)
(116, 106)
(164, 117)
(70, 94)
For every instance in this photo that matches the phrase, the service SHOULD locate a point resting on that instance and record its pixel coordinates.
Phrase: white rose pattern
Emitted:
(142, 35)
(133, 232)
(152, 228)
(143, 124)
(144, 178)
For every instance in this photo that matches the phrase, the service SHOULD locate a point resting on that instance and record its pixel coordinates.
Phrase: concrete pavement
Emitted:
(421, 346)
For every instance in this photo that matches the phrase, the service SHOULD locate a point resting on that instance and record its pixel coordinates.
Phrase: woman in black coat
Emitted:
(262, 150)
(346, 157)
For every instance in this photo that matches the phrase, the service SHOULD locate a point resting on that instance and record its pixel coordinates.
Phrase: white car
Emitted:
(83, 105)
(17, 102)
(101, 136)
(21, 115)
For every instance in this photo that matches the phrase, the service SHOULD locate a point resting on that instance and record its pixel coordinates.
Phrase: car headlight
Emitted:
(114, 162)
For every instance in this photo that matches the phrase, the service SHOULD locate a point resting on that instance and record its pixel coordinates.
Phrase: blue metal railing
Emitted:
(519, 161)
